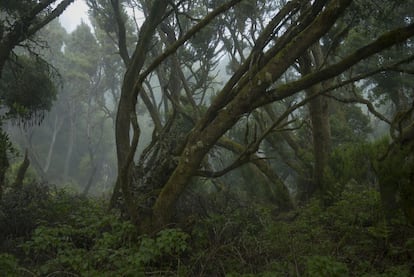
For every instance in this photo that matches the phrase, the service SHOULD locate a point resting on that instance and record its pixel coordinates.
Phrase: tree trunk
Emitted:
(321, 133)
(18, 182)
(127, 100)
(25, 27)
(319, 117)
(90, 181)
(69, 150)
(56, 128)
(275, 186)
(4, 161)
(33, 157)
(245, 93)
(226, 110)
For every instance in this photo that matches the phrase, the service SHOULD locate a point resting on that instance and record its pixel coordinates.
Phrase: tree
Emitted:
(291, 31)
(19, 22)
(79, 117)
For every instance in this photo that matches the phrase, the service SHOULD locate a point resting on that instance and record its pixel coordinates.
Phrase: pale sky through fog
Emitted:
(73, 15)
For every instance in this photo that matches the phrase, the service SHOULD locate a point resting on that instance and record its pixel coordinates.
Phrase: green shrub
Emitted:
(323, 266)
(9, 265)
(21, 210)
(78, 236)
(93, 242)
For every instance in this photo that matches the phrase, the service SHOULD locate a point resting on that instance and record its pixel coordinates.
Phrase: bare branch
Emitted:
(171, 50)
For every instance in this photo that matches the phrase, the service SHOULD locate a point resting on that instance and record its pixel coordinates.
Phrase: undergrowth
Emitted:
(65, 235)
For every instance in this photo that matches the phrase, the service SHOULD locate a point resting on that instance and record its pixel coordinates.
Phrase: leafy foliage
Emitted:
(53, 232)
(27, 88)
(9, 265)
(65, 233)
(325, 266)
(78, 236)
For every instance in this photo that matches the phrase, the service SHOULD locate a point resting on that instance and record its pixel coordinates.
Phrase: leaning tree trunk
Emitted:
(227, 108)
(244, 94)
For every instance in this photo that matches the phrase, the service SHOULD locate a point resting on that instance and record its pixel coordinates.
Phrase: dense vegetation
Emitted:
(48, 231)
(207, 138)
(55, 233)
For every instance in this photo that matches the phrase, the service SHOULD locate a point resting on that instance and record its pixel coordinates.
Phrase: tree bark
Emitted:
(243, 93)
(18, 182)
(321, 133)
(127, 101)
(319, 117)
(215, 123)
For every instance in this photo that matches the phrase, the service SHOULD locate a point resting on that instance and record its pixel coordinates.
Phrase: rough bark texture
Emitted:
(165, 170)
(209, 130)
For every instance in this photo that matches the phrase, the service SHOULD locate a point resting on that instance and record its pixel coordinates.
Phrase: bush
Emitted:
(9, 265)
(78, 236)
(322, 266)
(94, 242)
(21, 210)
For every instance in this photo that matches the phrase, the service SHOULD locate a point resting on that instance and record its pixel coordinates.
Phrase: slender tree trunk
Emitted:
(4, 55)
(18, 182)
(34, 159)
(4, 161)
(69, 151)
(90, 181)
(56, 128)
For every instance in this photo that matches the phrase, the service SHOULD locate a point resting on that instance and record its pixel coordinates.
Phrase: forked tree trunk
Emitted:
(127, 101)
(240, 96)
(221, 116)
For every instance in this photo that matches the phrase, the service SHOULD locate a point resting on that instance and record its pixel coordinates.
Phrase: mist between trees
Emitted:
(168, 121)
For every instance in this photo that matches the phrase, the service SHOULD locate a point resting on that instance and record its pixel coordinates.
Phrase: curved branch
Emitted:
(281, 192)
(173, 48)
(361, 100)
(385, 41)
(52, 15)
(122, 45)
